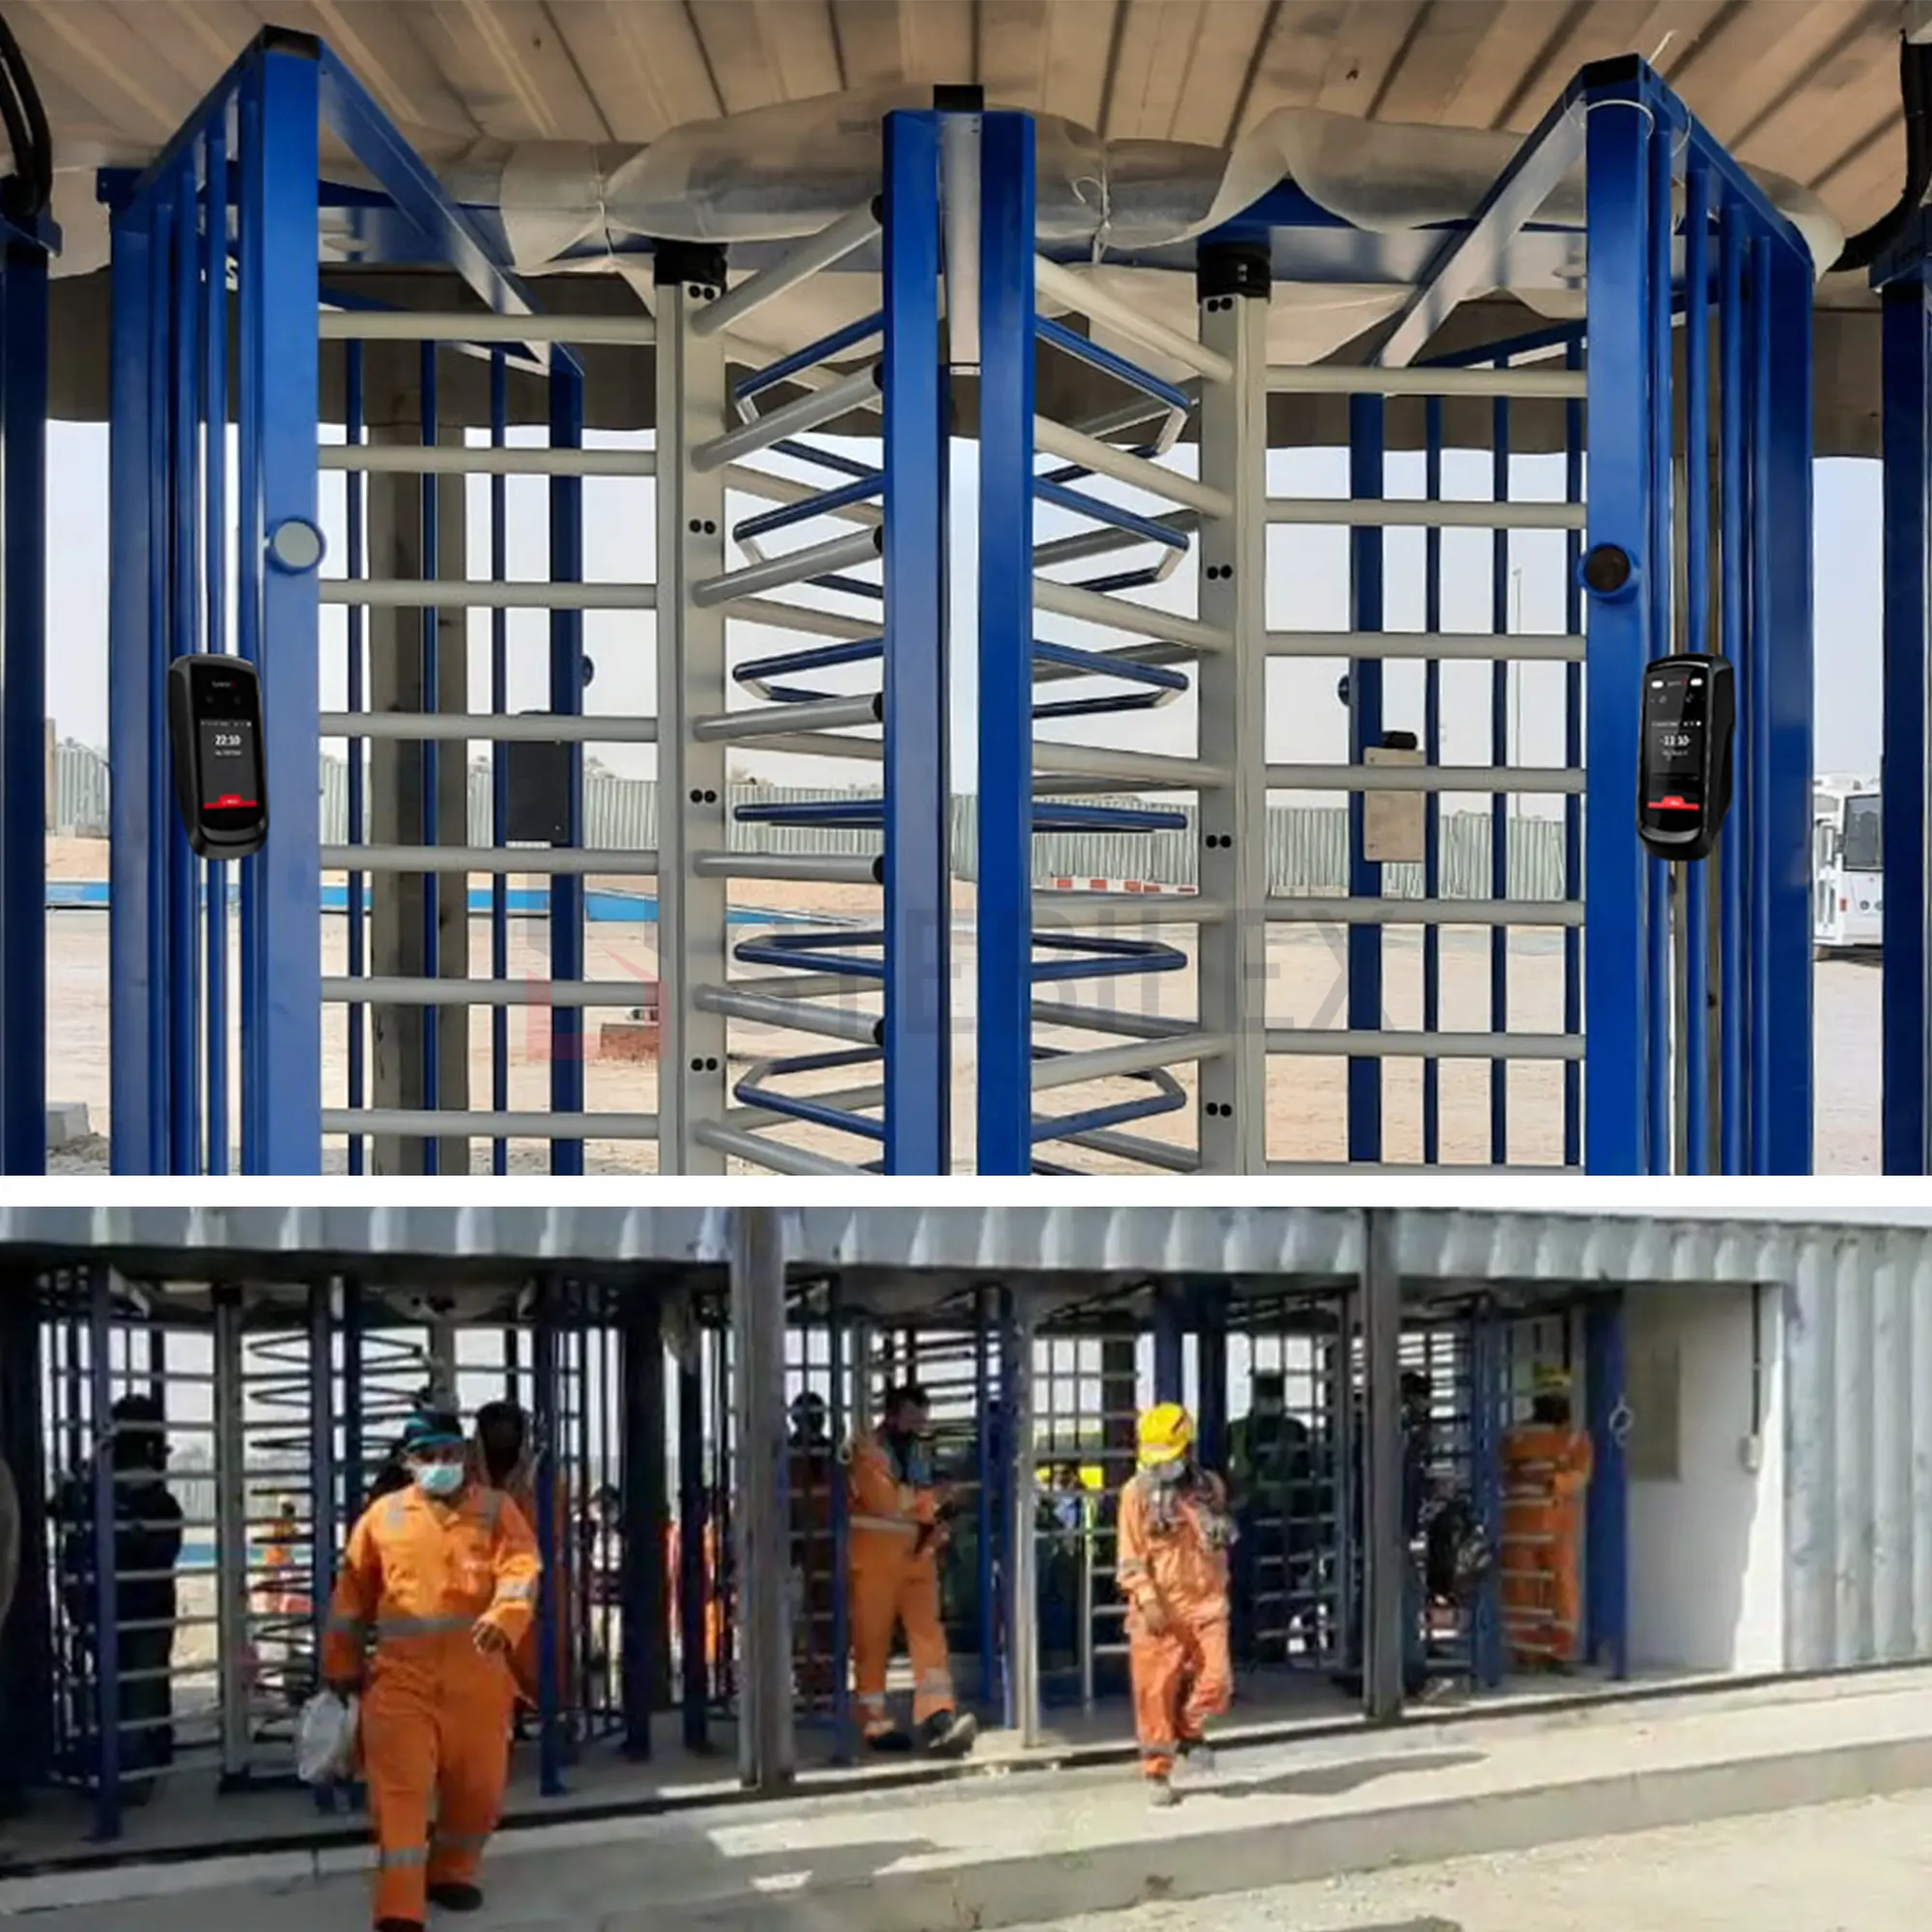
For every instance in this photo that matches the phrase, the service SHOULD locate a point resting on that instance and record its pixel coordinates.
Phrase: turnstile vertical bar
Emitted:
(1787, 640)
(1734, 971)
(1366, 482)
(1757, 685)
(1657, 587)
(23, 706)
(1004, 916)
(212, 434)
(1907, 331)
(1023, 1569)
(692, 1532)
(846, 1363)
(1385, 1555)
(1502, 753)
(173, 871)
(136, 986)
(232, 1542)
(1573, 756)
(566, 698)
(1432, 804)
(279, 300)
(642, 1657)
(549, 1434)
(1616, 974)
(106, 1542)
(1696, 935)
(985, 1354)
(355, 513)
(185, 920)
(499, 761)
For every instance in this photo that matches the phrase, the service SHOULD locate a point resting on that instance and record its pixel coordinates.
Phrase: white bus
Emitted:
(1847, 859)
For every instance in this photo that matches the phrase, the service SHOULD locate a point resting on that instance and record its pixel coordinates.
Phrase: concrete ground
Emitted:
(1306, 988)
(1859, 1867)
(1011, 1847)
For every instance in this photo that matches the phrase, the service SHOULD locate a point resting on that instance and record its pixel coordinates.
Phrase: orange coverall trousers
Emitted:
(1545, 1472)
(418, 1579)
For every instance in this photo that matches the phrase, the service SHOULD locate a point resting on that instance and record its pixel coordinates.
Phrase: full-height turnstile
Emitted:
(1684, 1030)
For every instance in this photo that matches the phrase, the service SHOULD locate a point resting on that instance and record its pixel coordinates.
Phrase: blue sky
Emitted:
(1308, 589)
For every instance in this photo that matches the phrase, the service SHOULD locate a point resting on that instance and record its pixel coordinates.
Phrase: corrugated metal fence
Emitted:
(1308, 845)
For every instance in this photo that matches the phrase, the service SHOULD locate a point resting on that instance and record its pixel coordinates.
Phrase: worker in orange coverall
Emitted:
(437, 1587)
(506, 1463)
(898, 1529)
(1547, 1468)
(1175, 1534)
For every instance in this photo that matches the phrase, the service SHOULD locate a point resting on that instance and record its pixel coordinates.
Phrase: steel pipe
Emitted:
(442, 1123)
(1447, 647)
(443, 459)
(392, 990)
(1419, 512)
(1383, 1042)
(1079, 293)
(860, 1029)
(370, 324)
(858, 390)
(796, 566)
(1121, 766)
(821, 714)
(469, 594)
(1116, 614)
(1425, 912)
(761, 1152)
(832, 869)
(563, 861)
(1109, 459)
(1555, 779)
(850, 232)
(1113, 1063)
(485, 727)
(1325, 379)
(789, 490)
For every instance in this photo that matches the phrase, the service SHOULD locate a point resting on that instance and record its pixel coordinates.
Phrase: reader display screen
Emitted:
(1676, 721)
(231, 764)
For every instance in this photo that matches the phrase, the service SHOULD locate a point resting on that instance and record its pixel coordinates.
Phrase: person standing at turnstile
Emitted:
(1172, 1565)
(898, 1527)
(438, 1588)
(1547, 1468)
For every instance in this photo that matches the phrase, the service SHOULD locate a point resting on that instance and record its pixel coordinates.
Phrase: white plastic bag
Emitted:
(325, 1738)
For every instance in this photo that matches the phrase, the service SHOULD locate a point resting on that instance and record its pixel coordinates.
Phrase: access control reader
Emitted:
(1684, 771)
(215, 724)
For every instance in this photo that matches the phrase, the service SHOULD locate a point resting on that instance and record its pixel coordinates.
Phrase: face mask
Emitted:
(1166, 1474)
(440, 1479)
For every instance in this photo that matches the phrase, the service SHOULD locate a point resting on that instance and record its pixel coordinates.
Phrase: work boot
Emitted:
(457, 1896)
(1161, 1794)
(1198, 1754)
(889, 1743)
(949, 1733)
(399, 1926)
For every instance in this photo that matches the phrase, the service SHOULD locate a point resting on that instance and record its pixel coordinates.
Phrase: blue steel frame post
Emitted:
(694, 801)
(1490, 1420)
(692, 1528)
(646, 1653)
(279, 297)
(1366, 548)
(1169, 1348)
(917, 1024)
(1906, 1145)
(108, 1739)
(23, 605)
(567, 1035)
(1005, 917)
(1617, 989)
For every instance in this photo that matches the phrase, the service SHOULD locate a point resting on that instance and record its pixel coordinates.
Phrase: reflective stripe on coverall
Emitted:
(1546, 1470)
(1177, 1558)
(893, 1566)
(418, 1577)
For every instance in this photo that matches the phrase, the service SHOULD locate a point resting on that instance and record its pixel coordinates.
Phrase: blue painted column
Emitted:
(1005, 920)
(918, 1033)
(1907, 333)
(1366, 439)
(23, 606)
(279, 300)
(1617, 989)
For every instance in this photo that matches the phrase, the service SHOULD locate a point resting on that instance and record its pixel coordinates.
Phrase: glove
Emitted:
(490, 1639)
(1152, 1615)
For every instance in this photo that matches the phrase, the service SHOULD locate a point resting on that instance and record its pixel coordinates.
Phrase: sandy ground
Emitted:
(1857, 1867)
(1306, 988)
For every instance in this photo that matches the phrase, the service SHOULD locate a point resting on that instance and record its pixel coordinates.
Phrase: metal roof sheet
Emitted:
(1435, 1247)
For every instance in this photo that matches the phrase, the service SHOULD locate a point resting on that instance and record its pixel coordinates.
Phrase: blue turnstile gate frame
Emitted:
(1687, 260)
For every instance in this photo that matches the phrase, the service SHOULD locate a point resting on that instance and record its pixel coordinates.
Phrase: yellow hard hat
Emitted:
(1549, 1380)
(1165, 1435)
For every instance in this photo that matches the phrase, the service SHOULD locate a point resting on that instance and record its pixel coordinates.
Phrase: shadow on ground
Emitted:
(1333, 1781)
